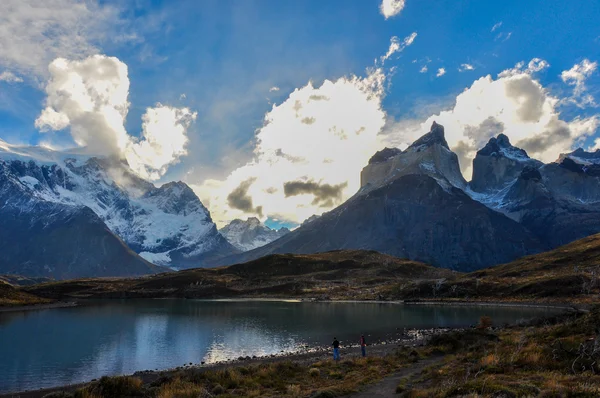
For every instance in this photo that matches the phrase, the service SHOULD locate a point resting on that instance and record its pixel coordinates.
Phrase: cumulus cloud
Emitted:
(90, 97)
(274, 88)
(466, 67)
(33, 33)
(299, 168)
(10, 77)
(533, 66)
(576, 77)
(423, 69)
(390, 8)
(397, 46)
(515, 104)
(440, 72)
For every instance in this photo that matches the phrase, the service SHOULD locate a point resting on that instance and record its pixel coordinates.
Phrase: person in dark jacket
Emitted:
(336, 349)
(363, 346)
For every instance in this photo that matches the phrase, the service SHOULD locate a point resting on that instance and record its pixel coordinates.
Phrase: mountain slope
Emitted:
(166, 225)
(412, 217)
(559, 202)
(250, 234)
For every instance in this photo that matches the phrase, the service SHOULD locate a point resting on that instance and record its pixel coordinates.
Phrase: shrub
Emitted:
(485, 322)
(314, 372)
(218, 389)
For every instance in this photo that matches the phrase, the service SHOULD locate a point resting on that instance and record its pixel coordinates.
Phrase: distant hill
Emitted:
(568, 274)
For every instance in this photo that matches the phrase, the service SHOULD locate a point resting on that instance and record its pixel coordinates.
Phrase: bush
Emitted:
(119, 386)
(218, 389)
(314, 372)
(485, 322)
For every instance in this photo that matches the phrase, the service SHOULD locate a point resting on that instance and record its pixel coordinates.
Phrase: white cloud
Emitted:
(465, 67)
(182, 96)
(496, 26)
(308, 155)
(535, 65)
(576, 76)
(503, 36)
(33, 32)
(423, 69)
(10, 77)
(274, 88)
(390, 8)
(515, 104)
(440, 72)
(397, 46)
(90, 97)
(163, 141)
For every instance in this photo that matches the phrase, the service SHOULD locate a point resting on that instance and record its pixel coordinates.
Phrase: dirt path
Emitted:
(387, 387)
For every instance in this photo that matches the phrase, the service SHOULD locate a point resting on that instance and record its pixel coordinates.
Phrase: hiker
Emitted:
(363, 346)
(336, 349)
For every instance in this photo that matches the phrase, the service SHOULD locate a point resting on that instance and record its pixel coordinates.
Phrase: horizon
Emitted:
(224, 105)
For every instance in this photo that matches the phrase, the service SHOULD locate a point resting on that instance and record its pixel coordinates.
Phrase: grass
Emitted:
(281, 379)
(11, 296)
(542, 360)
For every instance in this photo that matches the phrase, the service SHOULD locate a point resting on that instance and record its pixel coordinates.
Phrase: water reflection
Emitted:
(54, 347)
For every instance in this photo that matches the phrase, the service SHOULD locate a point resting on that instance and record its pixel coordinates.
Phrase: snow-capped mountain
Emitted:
(250, 234)
(415, 204)
(412, 205)
(167, 225)
(498, 164)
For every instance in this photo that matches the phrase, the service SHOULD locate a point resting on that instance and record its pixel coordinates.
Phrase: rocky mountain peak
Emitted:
(498, 164)
(384, 154)
(581, 156)
(250, 234)
(501, 146)
(435, 136)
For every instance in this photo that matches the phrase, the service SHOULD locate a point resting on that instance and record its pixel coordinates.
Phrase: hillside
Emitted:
(570, 273)
(12, 296)
(338, 274)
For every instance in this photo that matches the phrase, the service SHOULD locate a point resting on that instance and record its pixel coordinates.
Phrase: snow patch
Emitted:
(157, 258)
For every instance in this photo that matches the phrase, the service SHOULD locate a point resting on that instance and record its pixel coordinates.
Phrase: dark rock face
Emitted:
(530, 173)
(498, 164)
(38, 238)
(384, 154)
(435, 136)
(412, 217)
(571, 165)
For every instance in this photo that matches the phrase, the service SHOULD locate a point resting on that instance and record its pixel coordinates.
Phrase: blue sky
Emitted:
(225, 56)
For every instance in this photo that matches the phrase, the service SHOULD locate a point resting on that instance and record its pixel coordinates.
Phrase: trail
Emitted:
(387, 387)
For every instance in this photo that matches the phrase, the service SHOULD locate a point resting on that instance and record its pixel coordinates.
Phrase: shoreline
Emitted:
(302, 356)
(34, 307)
(409, 338)
(562, 306)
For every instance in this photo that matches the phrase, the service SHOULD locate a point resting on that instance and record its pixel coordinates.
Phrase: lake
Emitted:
(48, 348)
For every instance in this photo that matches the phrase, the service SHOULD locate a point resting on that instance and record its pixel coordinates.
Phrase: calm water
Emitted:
(60, 346)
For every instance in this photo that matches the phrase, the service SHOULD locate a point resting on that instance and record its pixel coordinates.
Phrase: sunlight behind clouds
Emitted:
(515, 104)
(309, 153)
(90, 97)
